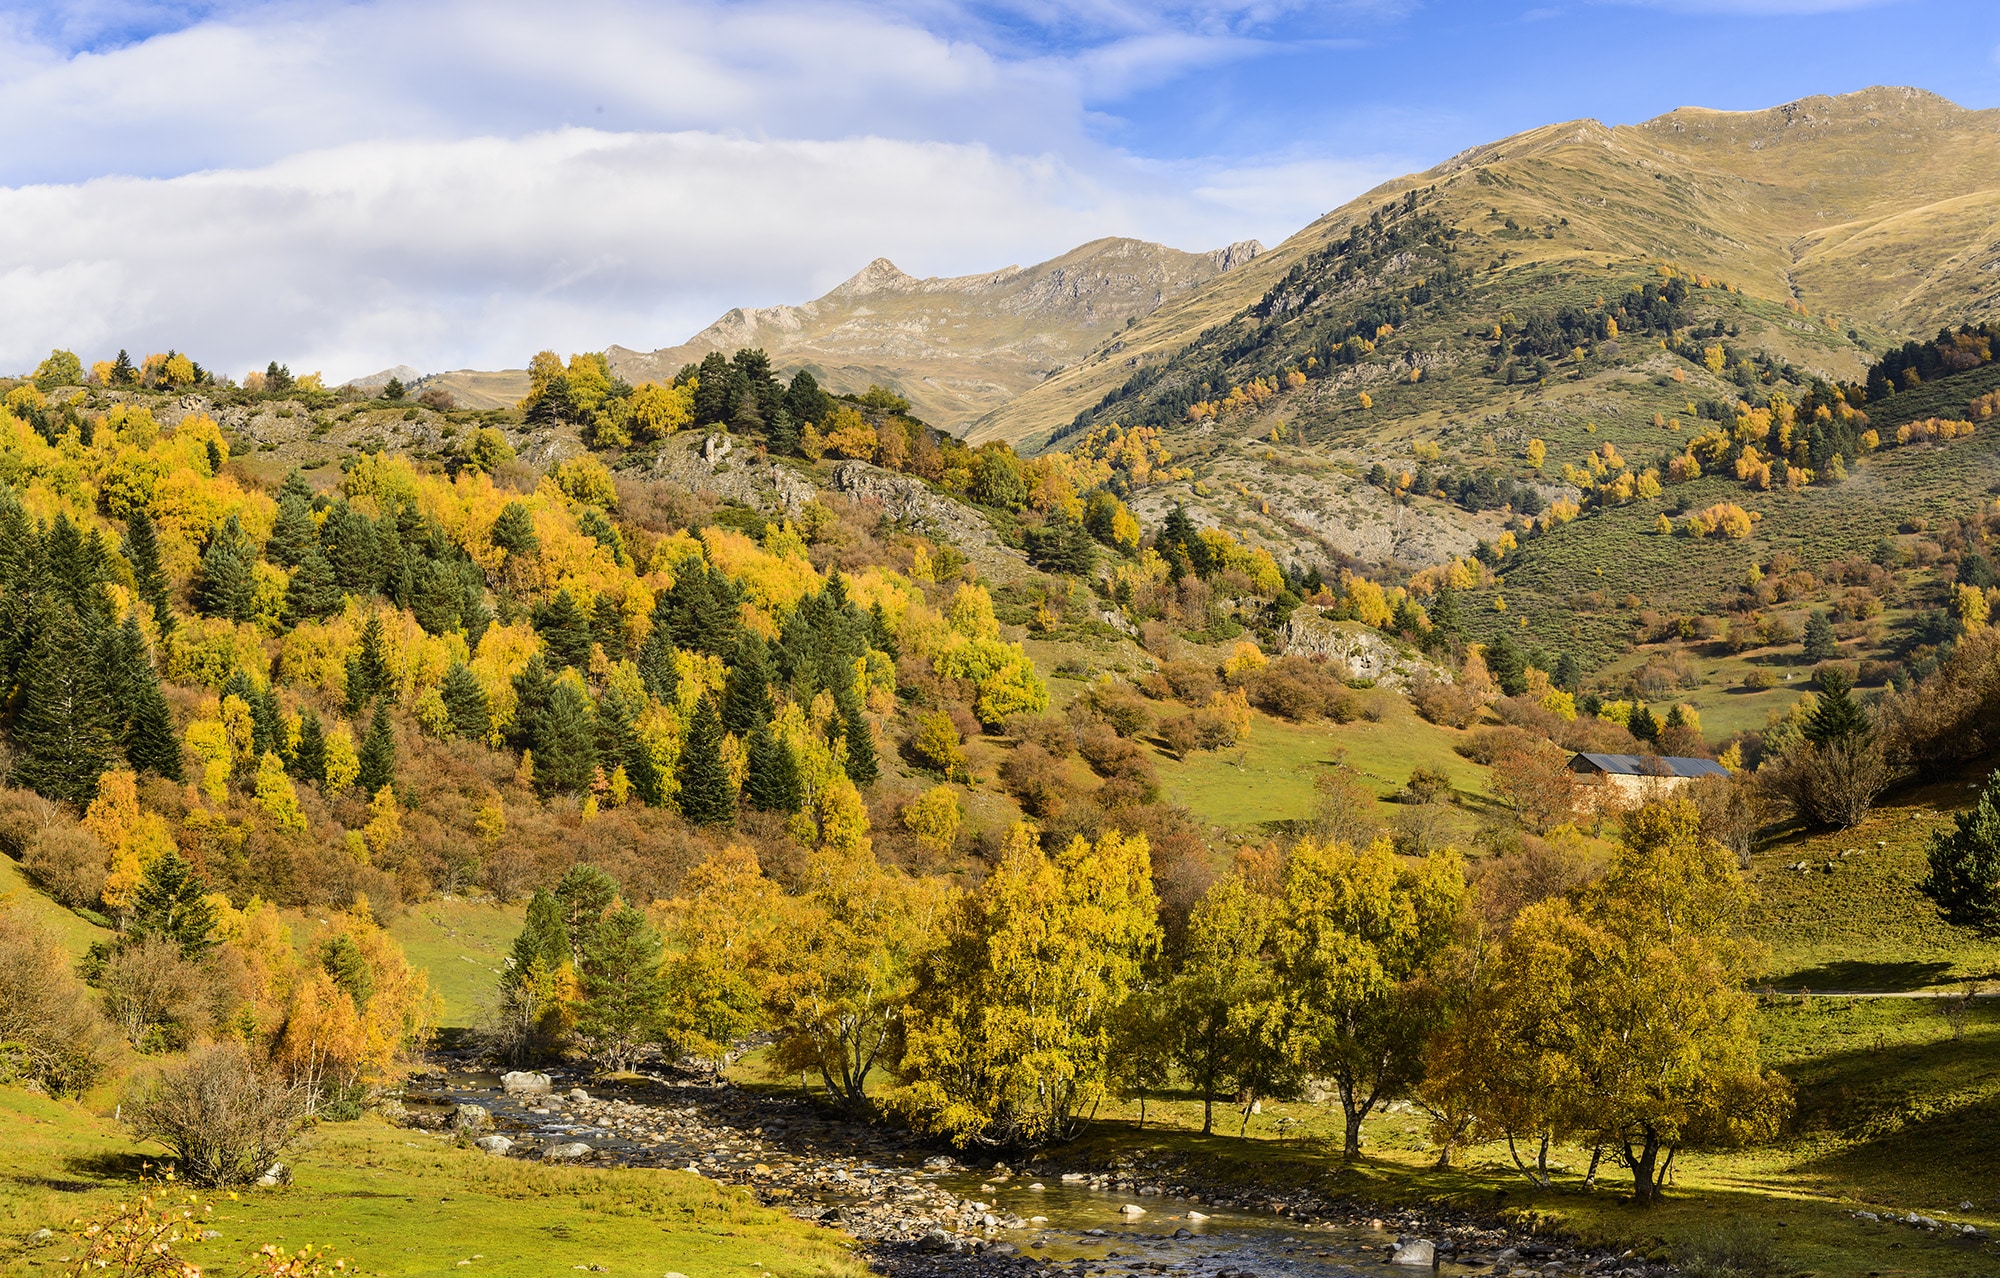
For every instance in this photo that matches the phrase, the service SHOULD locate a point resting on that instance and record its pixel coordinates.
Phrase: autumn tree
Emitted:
(716, 930)
(1220, 1001)
(1355, 940)
(1012, 1023)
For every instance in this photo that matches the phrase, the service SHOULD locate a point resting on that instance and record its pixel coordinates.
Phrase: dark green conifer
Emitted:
(378, 751)
(150, 742)
(623, 991)
(772, 783)
(435, 595)
(746, 697)
(348, 539)
(172, 902)
(1837, 717)
(564, 632)
(532, 688)
(861, 765)
(514, 531)
(226, 588)
(142, 551)
(707, 797)
(295, 531)
(565, 742)
(1820, 643)
(65, 734)
(607, 626)
(543, 939)
(618, 745)
(367, 670)
(473, 614)
(465, 702)
(656, 665)
(309, 760)
(314, 591)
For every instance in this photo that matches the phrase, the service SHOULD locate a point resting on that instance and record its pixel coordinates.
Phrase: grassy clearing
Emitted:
(1267, 779)
(463, 944)
(76, 933)
(402, 1203)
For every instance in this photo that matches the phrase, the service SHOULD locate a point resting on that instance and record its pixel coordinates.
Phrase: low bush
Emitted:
(223, 1121)
(50, 1034)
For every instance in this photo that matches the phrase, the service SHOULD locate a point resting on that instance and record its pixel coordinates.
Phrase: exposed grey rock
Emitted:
(1364, 653)
(40, 1238)
(524, 1083)
(1418, 1253)
(567, 1153)
(473, 1117)
(494, 1144)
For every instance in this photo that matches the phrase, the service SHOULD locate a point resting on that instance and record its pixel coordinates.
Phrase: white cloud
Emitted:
(480, 251)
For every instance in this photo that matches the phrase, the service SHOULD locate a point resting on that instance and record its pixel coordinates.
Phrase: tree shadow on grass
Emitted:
(110, 1166)
(1861, 974)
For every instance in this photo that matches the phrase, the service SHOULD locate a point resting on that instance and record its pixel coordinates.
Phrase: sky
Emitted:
(346, 186)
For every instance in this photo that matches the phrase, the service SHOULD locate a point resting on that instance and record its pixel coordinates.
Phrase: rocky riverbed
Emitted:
(921, 1211)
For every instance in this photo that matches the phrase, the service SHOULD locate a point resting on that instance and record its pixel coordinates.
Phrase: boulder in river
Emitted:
(473, 1118)
(1132, 1211)
(525, 1082)
(494, 1144)
(1417, 1252)
(568, 1153)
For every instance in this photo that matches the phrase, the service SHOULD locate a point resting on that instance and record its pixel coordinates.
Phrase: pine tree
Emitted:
(172, 902)
(295, 531)
(565, 742)
(465, 702)
(861, 765)
(746, 698)
(1964, 875)
(618, 745)
(473, 614)
(348, 540)
(1645, 727)
(586, 894)
(1445, 618)
(564, 631)
(701, 609)
(607, 626)
(309, 761)
(543, 939)
(65, 732)
(1568, 674)
(150, 743)
(435, 595)
(226, 585)
(367, 670)
(314, 591)
(772, 783)
(1837, 717)
(514, 531)
(707, 797)
(1508, 664)
(656, 665)
(622, 987)
(142, 551)
(1820, 643)
(532, 689)
(378, 751)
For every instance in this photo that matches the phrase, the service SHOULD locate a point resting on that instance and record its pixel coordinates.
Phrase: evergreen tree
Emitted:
(1508, 664)
(314, 591)
(1964, 875)
(772, 783)
(1445, 617)
(150, 743)
(861, 765)
(656, 664)
(618, 745)
(122, 372)
(295, 531)
(1568, 674)
(805, 401)
(65, 733)
(435, 595)
(700, 611)
(1820, 643)
(1061, 545)
(607, 626)
(77, 572)
(514, 531)
(565, 743)
(544, 938)
(172, 902)
(707, 797)
(378, 751)
(367, 670)
(879, 636)
(227, 585)
(1644, 726)
(348, 540)
(746, 697)
(473, 614)
(532, 689)
(142, 551)
(1837, 717)
(586, 894)
(465, 702)
(309, 761)
(622, 987)
(564, 632)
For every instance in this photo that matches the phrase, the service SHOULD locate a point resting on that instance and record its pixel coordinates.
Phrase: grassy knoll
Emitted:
(1864, 925)
(75, 932)
(463, 944)
(399, 1203)
(1267, 779)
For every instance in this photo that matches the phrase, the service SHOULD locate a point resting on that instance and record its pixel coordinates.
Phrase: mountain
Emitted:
(1877, 207)
(957, 348)
(374, 382)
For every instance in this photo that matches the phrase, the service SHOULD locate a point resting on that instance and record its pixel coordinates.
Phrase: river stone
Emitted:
(1417, 1252)
(578, 1094)
(473, 1117)
(1197, 1215)
(524, 1082)
(569, 1152)
(494, 1144)
(1133, 1210)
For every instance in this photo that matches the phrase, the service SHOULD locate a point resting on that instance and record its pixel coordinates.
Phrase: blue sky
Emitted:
(459, 182)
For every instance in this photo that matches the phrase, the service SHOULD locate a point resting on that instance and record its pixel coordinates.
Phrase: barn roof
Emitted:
(1646, 765)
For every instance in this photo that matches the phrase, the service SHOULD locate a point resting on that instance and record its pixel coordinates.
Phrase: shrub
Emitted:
(1487, 744)
(223, 1121)
(1117, 704)
(1189, 681)
(1450, 705)
(1299, 688)
(49, 1031)
(1037, 780)
(156, 998)
(69, 863)
(1536, 782)
(1832, 783)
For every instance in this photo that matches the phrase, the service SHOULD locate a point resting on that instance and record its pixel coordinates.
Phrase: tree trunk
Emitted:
(1351, 1147)
(1208, 1113)
(1596, 1157)
(1646, 1169)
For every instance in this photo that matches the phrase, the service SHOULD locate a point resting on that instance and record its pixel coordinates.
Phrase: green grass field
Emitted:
(75, 932)
(462, 944)
(404, 1203)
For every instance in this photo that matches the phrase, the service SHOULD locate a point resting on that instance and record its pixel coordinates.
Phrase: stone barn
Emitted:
(1636, 778)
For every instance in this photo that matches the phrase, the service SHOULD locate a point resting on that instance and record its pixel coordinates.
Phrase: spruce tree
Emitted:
(435, 595)
(77, 571)
(309, 761)
(226, 585)
(532, 688)
(514, 531)
(65, 733)
(623, 991)
(564, 742)
(465, 702)
(607, 626)
(348, 540)
(1964, 875)
(295, 531)
(861, 765)
(1508, 664)
(656, 665)
(585, 894)
(543, 939)
(618, 745)
(707, 797)
(378, 751)
(172, 902)
(564, 632)
(367, 670)
(1837, 717)
(314, 591)
(772, 782)
(473, 614)
(1820, 643)
(1644, 725)
(150, 743)
(746, 697)
(142, 551)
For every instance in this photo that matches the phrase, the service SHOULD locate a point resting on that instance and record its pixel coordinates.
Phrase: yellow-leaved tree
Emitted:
(1012, 1025)
(714, 938)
